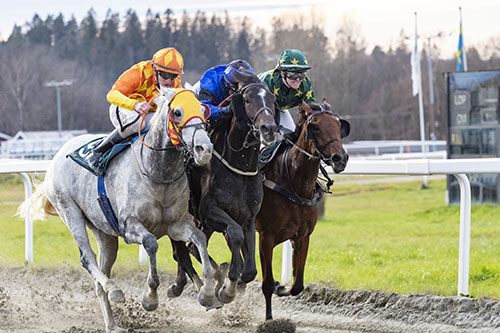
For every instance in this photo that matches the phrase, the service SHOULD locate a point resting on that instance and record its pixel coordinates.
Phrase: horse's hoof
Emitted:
(207, 301)
(216, 305)
(281, 291)
(149, 306)
(174, 291)
(224, 298)
(116, 296)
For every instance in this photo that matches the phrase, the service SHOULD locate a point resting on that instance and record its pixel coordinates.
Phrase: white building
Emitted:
(38, 145)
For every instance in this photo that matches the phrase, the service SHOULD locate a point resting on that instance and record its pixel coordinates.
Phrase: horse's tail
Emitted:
(38, 204)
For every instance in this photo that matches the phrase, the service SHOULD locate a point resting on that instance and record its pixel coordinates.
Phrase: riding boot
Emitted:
(93, 158)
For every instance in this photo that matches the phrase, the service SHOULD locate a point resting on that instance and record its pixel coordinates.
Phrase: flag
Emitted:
(461, 60)
(415, 63)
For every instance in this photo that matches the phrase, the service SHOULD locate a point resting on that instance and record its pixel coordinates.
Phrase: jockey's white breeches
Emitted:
(127, 122)
(286, 121)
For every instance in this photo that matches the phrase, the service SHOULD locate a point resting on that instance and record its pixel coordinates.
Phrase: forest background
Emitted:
(372, 88)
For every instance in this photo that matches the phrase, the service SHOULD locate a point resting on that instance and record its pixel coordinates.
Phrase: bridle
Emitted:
(252, 130)
(309, 136)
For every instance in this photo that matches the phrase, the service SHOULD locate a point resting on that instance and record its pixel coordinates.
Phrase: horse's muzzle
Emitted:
(339, 162)
(268, 134)
(202, 153)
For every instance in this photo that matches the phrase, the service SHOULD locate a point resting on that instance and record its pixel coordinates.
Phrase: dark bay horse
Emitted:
(148, 191)
(291, 213)
(228, 193)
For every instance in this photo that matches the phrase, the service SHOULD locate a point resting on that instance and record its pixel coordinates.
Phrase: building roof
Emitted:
(46, 135)
(4, 136)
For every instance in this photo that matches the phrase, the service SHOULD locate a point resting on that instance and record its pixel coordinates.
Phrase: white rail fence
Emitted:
(422, 167)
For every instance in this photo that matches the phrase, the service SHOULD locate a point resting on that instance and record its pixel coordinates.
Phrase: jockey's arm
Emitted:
(207, 97)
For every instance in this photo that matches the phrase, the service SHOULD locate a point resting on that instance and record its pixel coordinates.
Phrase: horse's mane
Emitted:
(245, 77)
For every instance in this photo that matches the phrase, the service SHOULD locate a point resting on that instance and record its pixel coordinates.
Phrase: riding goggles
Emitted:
(294, 75)
(167, 75)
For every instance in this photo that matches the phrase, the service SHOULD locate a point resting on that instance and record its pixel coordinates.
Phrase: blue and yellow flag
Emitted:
(460, 53)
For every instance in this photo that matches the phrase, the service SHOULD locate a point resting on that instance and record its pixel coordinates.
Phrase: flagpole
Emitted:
(463, 44)
(420, 104)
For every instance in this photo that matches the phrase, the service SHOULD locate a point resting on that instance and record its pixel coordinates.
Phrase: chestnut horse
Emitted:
(289, 210)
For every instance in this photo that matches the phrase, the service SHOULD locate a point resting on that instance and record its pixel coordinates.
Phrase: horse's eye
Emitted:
(247, 101)
(177, 113)
(315, 127)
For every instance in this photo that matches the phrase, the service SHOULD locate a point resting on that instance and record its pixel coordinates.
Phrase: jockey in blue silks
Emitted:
(218, 83)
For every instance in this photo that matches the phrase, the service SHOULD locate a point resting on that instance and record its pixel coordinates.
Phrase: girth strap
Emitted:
(106, 205)
(294, 197)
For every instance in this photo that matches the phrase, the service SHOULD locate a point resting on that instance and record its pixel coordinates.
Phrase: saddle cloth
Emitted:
(81, 153)
(268, 153)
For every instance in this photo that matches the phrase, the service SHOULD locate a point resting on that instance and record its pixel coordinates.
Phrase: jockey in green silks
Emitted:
(290, 84)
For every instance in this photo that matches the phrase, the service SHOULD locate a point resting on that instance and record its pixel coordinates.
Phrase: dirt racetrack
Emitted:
(64, 300)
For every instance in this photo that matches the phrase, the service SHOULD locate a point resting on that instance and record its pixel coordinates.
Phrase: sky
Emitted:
(379, 22)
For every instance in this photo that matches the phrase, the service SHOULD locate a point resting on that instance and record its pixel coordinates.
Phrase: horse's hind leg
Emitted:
(187, 232)
(184, 265)
(136, 233)
(108, 249)
(75, 220)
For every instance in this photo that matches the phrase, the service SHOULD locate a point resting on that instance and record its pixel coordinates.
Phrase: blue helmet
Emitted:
(233, 67)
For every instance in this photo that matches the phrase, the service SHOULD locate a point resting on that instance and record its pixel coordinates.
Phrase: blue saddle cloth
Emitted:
(81, 153)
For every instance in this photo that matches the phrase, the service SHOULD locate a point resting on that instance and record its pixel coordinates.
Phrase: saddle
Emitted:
(80, 154)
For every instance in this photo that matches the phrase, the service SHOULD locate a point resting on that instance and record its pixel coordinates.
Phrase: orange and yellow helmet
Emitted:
(168, 60)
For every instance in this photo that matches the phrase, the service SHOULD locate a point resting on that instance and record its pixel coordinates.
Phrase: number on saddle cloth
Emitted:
(80, 154)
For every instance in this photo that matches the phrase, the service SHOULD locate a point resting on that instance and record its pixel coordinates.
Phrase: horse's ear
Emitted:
(168, 93)
(345, 128)
(305, 107)
(325, 104)
(238, 108)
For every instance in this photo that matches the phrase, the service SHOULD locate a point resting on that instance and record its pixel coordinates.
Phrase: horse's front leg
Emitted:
(139, 235)
(248, 250)
(266, 247)
(220, 221)
(299, 257)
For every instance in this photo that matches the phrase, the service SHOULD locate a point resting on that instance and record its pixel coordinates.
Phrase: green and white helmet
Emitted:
(292, 60)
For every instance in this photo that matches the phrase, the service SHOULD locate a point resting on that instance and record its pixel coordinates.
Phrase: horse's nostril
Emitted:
(264, 129)
(198, 149)
(336, 158)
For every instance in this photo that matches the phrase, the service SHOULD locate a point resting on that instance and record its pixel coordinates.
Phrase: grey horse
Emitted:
(148, 191)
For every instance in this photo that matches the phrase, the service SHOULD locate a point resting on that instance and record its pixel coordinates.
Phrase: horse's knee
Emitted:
(235, 236)
(150, 244)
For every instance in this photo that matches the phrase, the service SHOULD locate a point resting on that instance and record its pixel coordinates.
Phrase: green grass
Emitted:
(393, 237)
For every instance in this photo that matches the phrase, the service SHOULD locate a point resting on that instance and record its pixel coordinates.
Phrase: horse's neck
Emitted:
(159, 164)
(302, 169)
(239, 156)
